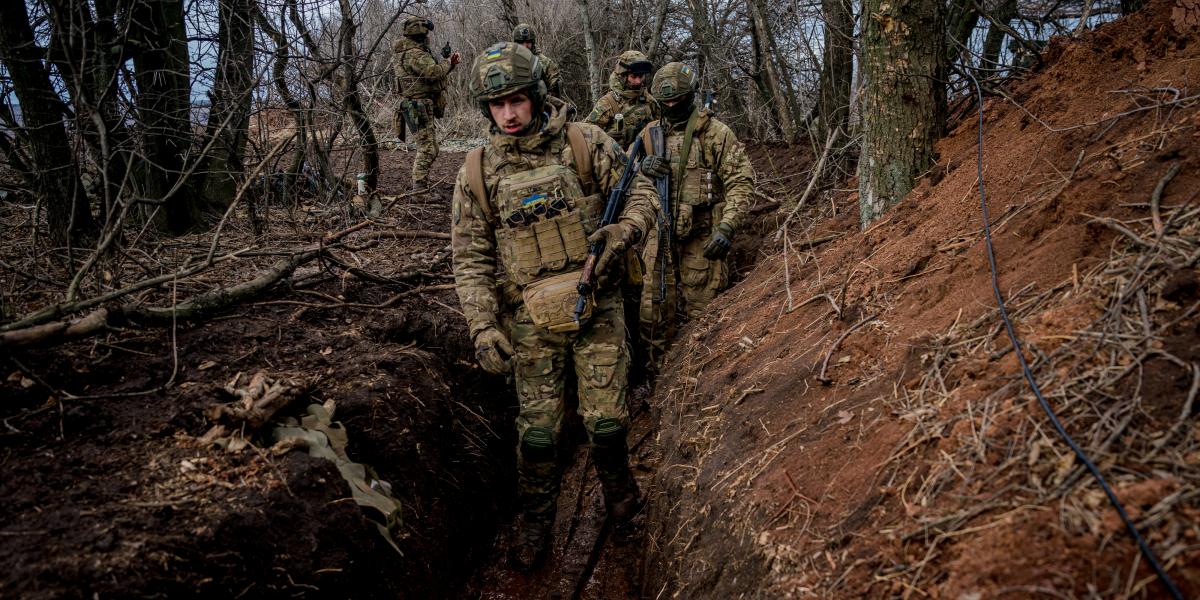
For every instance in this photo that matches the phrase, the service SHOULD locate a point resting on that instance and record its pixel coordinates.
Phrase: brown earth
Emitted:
(874, 483)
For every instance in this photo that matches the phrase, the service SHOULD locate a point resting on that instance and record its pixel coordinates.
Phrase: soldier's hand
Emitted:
(494, 351)
(455, 58)
(617, 238)
(718, 245)
(656, 166)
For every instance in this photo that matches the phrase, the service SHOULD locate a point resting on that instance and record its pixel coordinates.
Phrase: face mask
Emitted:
(680, 111)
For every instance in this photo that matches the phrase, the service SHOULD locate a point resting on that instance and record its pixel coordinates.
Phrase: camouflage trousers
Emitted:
(427, 152)
(599, 355)
(691, 282)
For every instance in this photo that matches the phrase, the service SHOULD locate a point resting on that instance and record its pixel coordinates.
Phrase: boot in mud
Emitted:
(531, 542)
(622, 500)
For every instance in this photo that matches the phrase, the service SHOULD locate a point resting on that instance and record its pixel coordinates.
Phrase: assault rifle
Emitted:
(666, 223)
(612, 212)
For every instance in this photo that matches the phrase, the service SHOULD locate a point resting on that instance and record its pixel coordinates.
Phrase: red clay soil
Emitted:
(774, 484)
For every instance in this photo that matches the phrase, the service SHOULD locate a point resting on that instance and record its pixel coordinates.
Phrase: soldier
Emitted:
(523, 34)
(626, 108)
(422, 82)
(710, 196)
(525, 207)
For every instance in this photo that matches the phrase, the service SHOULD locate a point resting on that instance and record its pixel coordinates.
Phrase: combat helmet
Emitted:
(632, 61)
(524, 33)
(415, 26)
(673, 81)
(505, 68)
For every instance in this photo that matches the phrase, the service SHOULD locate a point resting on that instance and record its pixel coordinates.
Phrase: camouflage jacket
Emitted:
(484, 291)
(635, 108)
(418, 74)
(551, 75)
(717, 169)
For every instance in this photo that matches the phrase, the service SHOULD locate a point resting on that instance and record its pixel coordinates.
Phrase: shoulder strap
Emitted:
(583, 156)
(474, 166)
(686, 151)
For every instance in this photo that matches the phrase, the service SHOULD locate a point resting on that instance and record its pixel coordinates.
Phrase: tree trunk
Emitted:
(43, 133)
(904, 102)
(279, 78)
(660, 18)
(837, 69)
(589, 49)
(994, 42)
(766, 64)
(961, 20)
(348, 82)
(161, 71)
(508, 10)
(229, 114)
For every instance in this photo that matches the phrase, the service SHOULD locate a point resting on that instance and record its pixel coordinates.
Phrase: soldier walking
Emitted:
(523, 34)
(526, 206)
(711, 182)
(626, 108)
(421, 80)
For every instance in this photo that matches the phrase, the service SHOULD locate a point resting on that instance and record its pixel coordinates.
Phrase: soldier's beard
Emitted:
(420, 39)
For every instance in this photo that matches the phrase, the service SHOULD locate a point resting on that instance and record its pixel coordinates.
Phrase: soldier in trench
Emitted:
(627, 107)
(711, 187)
(525, 207)
(523, 34)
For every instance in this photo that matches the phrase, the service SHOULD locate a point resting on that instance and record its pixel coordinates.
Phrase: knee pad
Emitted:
(608, 433)
(537, 445)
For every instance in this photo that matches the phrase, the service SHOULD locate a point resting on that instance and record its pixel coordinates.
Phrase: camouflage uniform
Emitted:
(711, 190)
(550, 72)
(623, 111)
(497, 264)
(421, 81)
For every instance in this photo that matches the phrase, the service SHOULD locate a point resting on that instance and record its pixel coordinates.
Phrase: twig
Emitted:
(1156, 197)
(825, 363)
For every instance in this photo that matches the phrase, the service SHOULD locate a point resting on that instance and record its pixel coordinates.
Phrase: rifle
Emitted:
(666, 224)
(612, 212)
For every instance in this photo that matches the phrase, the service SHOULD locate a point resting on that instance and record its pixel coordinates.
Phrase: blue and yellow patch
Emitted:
(494, 55)
(532, 199)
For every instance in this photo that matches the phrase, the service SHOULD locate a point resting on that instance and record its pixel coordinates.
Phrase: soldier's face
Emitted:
(528, 45)
(635, 80)
(512, 113)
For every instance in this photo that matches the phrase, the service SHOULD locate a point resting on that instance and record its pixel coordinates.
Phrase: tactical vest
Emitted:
(697, 194)
(412, 85)
(543, 216)
(630, 115)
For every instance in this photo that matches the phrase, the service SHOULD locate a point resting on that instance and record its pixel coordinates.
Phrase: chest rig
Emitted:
(542, 217)
(697, 194)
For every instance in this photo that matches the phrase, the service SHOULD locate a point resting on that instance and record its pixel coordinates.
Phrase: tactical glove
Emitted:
(494, 351)
(718, 245)
(617, 237)
(655, 166)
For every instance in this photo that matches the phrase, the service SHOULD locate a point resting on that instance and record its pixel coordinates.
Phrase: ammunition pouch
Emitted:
(544, 222)
(551, 302)
(418, 113)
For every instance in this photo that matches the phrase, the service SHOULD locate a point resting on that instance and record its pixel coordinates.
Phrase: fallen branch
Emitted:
(825, 363)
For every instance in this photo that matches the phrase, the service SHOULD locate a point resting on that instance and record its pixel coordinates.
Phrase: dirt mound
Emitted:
(107, 492)
(850, 420)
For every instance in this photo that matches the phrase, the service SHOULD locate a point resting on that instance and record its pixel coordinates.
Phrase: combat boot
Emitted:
(622, 499)
(531, 542)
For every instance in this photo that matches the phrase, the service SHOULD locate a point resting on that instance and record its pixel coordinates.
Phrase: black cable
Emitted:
(1016, 343)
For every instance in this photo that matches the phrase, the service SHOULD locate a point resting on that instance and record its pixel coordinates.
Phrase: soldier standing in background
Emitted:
(711, 186)
(421, 82)
(526, 206)
(626, 108)
(523, 34)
